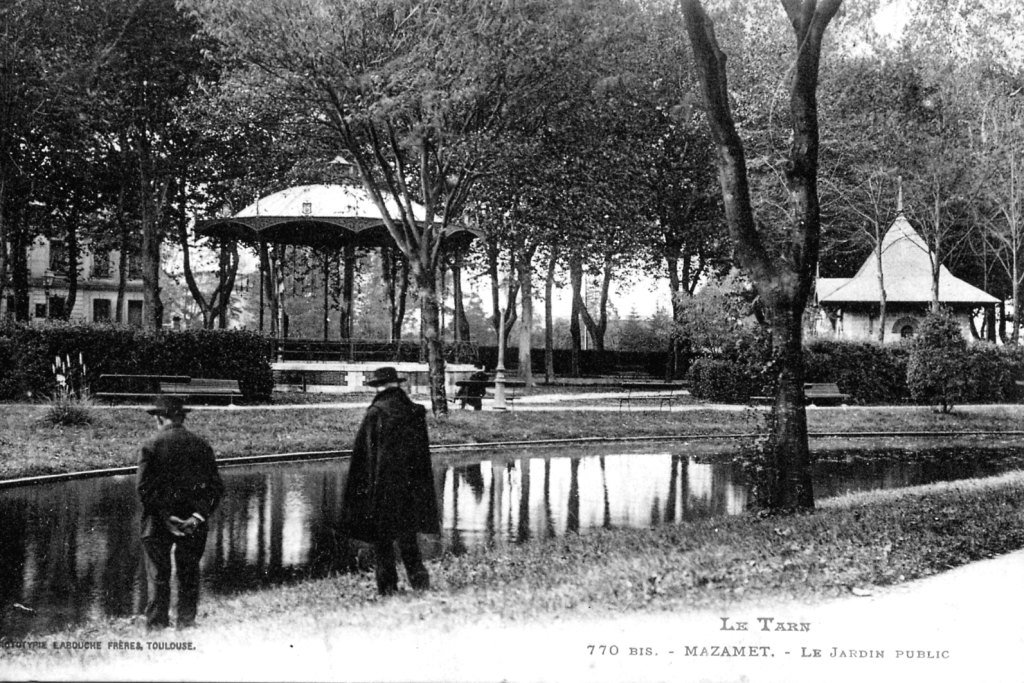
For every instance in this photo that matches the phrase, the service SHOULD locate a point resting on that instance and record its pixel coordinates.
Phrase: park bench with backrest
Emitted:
(815, 393)
(824, 392)
(115, 387)
(665, 393)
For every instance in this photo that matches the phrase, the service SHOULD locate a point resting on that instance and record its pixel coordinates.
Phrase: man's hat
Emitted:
(384, 375)
(167, 406)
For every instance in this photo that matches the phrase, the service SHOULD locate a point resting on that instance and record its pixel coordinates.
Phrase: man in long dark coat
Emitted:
(389, 495)
(180, 487)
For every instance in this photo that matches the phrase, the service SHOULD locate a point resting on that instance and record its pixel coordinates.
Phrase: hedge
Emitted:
(28, 352)
(872, 373)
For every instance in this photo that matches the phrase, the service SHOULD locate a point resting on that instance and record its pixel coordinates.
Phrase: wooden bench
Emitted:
(824, 392)
(114, 387)
(203, 388)
(662, 392)
(815, 393)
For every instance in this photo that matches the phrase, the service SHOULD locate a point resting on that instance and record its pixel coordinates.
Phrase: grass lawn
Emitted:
(852, 543)
(28, 446)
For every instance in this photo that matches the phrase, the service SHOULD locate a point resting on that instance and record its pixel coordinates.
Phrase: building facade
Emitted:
(96, 294)
(849, 308)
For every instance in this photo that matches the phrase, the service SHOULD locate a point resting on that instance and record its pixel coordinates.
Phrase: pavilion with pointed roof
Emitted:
(849, 307)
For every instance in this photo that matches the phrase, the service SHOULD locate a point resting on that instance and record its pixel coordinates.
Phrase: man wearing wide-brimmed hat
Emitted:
(179, 486)
(389, 494)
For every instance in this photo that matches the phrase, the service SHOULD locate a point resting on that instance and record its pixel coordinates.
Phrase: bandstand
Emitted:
(331, 217)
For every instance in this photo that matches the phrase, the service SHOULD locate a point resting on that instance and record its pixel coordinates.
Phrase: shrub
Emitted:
(714, 379)
(937, 371)
(69, 411)
(116, 349)
(870, 372)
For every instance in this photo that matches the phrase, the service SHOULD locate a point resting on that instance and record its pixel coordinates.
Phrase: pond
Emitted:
(70, 551)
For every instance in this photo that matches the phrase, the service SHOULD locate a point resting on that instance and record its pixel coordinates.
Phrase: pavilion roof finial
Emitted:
(899, 194)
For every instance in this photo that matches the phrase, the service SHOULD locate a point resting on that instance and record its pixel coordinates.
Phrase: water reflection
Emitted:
(70, 551)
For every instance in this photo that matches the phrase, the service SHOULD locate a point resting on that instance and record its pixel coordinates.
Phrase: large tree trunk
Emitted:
(789, 476)
(460, 324)
(227, 271)
(153, 320)
(783, 283)
(1015, 329)
(278, 262)
(396, 279)
(348, 287)
(3, 242)
(123, 269)
(575, 331)
(510, 307)
(549, 320)
(19, 272)
(596, 328)
(430, 315)
(152, 195)
(269, 271)
(881, 292)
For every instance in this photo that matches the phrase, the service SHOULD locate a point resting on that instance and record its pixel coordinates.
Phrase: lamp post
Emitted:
(47, 284)
(499, 371)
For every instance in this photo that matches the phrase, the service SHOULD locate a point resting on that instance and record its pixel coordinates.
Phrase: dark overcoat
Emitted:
(177, 475)
(390, 486)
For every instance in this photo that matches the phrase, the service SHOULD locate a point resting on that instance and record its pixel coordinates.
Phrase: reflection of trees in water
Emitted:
(572, 519)
(122, 564)
(606, 522)
(673, 490)
(549, 527)
(231, 564)
(62, 582)
(510, 468)
(71, 550)
(13, 550)
(474, 476)
(523, 531)
(329, 550)
(458, 543)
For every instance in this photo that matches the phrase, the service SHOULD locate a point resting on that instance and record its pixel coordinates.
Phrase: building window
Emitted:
(57, 304)
(135, 313)
(101, 310)
(40, 310)
(101, 265)
(58, 256)
(134, 267)
(905, 327)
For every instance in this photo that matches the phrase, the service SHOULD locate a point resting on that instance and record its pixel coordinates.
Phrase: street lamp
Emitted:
(499, 371)
(47, 284)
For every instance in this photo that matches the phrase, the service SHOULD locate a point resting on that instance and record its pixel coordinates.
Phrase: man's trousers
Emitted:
(387, 571)
(156, 551)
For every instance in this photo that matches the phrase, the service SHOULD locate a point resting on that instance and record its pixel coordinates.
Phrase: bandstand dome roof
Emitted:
(315, 215)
